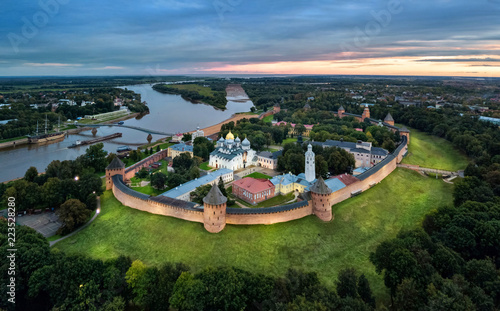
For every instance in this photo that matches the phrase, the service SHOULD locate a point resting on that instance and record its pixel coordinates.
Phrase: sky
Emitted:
(174, 37)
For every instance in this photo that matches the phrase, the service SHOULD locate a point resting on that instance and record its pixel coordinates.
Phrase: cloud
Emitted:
(51, 65)
(453, 60)
(131, 36)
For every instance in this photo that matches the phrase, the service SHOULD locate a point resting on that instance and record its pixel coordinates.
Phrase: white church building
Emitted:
(232, 153)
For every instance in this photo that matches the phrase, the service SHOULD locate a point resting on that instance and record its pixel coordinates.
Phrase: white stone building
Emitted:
(232, 153)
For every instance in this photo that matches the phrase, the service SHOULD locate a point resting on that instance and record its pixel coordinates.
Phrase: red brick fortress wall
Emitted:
(131, 170)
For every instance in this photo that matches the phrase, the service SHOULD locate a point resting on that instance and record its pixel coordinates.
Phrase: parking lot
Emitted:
(45, 223)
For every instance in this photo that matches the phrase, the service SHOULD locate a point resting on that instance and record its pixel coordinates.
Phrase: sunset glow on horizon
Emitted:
(172, 37)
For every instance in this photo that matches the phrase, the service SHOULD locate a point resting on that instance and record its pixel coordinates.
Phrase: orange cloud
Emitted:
(368, 66)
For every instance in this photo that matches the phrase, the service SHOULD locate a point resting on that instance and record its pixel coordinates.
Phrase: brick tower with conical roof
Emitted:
(340, 112)
(366, 113)
(321, 200)
(116, 167)
(388, 119)
(214, 210)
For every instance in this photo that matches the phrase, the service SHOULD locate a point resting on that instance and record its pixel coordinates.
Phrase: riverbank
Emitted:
(83, 129)
(214, 129)
(14, 143)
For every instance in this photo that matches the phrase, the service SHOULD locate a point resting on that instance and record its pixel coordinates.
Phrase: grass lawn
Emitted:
(277, 200)
(12, 139)
(149, 190)
(202, 90)
(289, 140)
(268, 119)
(204, 166)
(165, 146)
(270, 149)
(259, 175)
(433, 152)
(360, 224)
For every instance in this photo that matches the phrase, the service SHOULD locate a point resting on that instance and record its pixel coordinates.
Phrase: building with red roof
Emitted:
(253, 190)
(346, 179)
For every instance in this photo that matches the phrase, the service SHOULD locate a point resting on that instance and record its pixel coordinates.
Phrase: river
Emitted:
(168, 113)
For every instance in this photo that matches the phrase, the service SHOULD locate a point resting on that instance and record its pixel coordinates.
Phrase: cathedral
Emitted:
(232, 153)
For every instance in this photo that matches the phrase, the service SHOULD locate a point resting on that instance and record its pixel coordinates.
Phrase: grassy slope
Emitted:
(268, 119)
(360, 224)
(434, 152)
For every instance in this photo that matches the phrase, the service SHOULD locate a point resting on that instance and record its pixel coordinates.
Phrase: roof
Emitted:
(320, 187)
(341, 108)
(361, 169)
(232, 153)
(182, 148)
(115, 164)
(254, 185)
(6, 121)
(385, 161)
(193, 184)
(118, 183)
(346, 179)
(267, 210)
(175, 202)
(388, 117)
(214, 196)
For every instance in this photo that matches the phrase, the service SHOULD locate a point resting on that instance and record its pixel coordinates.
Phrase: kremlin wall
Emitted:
(215, 215)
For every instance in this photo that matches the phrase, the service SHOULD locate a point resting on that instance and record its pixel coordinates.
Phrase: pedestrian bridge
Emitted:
(130, 127)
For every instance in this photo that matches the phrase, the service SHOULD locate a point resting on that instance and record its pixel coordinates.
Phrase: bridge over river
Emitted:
(128, 126)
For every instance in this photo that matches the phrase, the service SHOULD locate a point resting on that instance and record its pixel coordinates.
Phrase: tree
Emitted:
(89, 184)
(300, 129)
(143, 173)
(72, 214)
(135, 273)
(94, 157)
(187, 137)
(52, 193)
(189, 294)
(158, 180)
(471, 189)
(347, 283)
(175, 179)
(31, 174)
(365, 292)
(182, 162)
(258, 141)
(199, 193)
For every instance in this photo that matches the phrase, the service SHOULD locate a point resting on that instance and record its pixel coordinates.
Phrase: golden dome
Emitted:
(229, 135)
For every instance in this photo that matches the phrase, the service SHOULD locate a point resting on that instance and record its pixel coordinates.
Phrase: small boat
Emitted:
(123, 149)
(121, 123)
(76, 144)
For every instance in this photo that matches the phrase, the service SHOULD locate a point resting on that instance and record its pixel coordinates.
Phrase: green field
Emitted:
(259, 175)
(202, 90)
(268, 119)
(289, 140)
(433, 152)
(360, 224)
(204, 166)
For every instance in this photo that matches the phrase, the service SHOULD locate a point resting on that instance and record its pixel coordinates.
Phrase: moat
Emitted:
(168, 113)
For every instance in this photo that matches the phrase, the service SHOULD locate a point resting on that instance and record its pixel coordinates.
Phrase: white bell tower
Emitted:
(310, 166)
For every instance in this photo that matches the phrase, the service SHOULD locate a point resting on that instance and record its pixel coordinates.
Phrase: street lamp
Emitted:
(76, 178)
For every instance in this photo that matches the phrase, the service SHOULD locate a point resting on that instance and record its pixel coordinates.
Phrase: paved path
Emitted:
(82, 227)
(428, 170)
